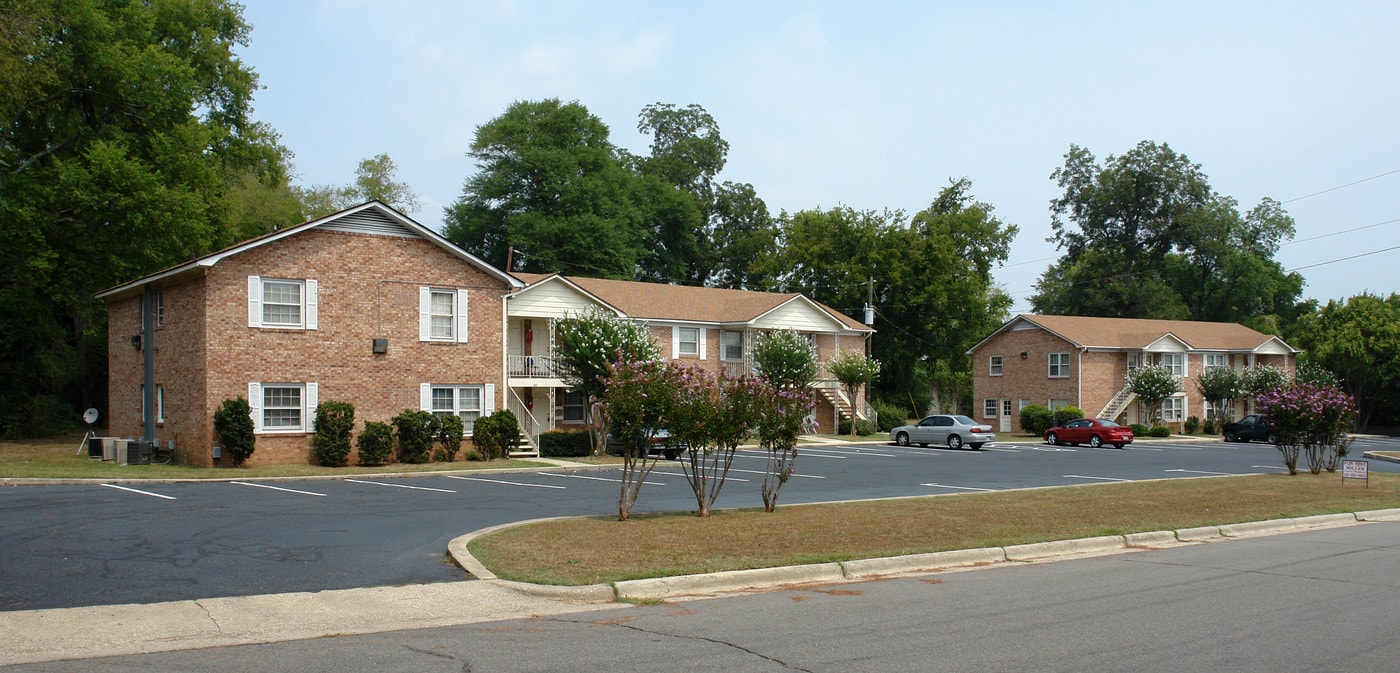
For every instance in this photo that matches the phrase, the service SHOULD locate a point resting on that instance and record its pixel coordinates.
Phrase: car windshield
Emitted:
(964, 420)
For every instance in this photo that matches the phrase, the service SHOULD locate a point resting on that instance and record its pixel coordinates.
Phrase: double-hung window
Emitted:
(989, 408)
(282, 303)
(468, 402)
(282, 407)
(687, 342)
(1176, 362)
(1059, 365)
(1217, 360)
(574, 405)
(733, 345)
(442, 314)
(994, 366)
(1173, 408)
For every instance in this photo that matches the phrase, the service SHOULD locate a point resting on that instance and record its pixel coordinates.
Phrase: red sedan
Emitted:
(1092, 431)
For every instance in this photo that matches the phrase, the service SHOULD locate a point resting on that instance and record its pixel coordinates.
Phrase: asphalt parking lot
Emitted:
(113, 543)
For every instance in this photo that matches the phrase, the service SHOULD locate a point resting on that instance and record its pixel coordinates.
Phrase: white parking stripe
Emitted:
(805, 476)
(153, 495)
(416, 488)
(682, 475)
(580, 476)
(959, 488)
(276, 488)
(502, 481)
(1201, 472)
(812, 451)
(1081, 476)
(800, 452)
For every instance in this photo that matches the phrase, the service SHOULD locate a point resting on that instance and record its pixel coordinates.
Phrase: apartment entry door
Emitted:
(1005, 416)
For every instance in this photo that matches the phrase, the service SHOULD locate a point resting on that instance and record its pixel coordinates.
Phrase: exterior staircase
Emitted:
(525, 448)
(845, 411)
(1118, 404)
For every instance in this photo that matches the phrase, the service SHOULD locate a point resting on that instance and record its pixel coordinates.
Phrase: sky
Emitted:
(878, 105)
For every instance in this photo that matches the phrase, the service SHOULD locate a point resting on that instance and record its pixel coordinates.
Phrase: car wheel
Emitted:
(1230, 436)
(954, 442)
(902, 439)
(672, 454)
(975, 447)
(1117, 446)
(1095, 442)
(1272, 439)
(1051, 439)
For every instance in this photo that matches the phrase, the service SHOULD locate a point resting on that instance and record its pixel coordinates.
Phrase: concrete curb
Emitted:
(1091, 545)
(923, 563)
(658, 588)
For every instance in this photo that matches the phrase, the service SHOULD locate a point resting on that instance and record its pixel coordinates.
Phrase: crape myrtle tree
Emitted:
(1312, 420)
(855, 371)
(1145, 236)
(1221, 386)
(711, 415)
(1153, 385)
(637, 399)
(787, 361)
(127, 146)
(589, 345)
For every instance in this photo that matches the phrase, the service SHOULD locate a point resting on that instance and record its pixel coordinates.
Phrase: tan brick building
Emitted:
(1082, 361)
(369, 307)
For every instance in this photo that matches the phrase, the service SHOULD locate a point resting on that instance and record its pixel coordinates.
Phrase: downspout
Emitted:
(148, 371)
(1079, 379)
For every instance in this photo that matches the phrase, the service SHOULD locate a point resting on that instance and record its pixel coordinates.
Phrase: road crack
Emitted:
(703, 639)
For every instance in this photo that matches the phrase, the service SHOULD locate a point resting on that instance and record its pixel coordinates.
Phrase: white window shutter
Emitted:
(702, 332)
(675, 343)
(312, 393)
(425, 302)
(462, 315)
(255, 405)
(488, 402)
(312, 302)
(425, 396)
(254, 301)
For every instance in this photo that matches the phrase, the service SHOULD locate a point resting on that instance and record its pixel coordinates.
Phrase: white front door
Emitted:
(1005, 416)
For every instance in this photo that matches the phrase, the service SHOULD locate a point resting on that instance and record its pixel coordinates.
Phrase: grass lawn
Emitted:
(58, 458)
(593, 550)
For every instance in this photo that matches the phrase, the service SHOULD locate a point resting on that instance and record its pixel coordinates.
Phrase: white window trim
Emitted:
(310, 303)
(676, 353)
(724, 348)
(995, 365)
(1206, 360)
(425, 317)
(160, 404)
(488, 399)
(1051, 365)
(309, 396)
(1179, 411)
(1174, 356)
(989, 407)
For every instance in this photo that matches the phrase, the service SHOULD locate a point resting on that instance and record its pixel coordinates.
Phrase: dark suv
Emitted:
(1253, 426)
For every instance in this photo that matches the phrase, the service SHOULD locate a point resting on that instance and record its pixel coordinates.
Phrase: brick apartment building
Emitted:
(369, 307)
(1082, 361)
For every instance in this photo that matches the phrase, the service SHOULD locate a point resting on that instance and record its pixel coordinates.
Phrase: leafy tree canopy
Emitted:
(375, 180)
(1145, 236)
(1358, 340)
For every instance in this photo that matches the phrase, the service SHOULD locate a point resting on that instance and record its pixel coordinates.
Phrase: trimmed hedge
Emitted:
(335, 424)
(1066, 414)
(415, 431)
(375, 443)
(1036, 419)
(863, 427)
(890, 416)
(564, 444)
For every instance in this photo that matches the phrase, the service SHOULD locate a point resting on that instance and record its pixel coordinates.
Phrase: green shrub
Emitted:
(889, 416)
(564, 444)
(1161, 431)
(1192, 425)
(1036, 419)
(863, 427)
(375, 443)
(1209, 426)
(415, 432)
(1066, 414)
(448, 429)
(495, 436)
(335, 423)
(233, 420)
(1140, 430)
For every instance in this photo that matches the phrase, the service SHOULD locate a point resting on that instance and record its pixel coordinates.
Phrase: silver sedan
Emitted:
(955, 430)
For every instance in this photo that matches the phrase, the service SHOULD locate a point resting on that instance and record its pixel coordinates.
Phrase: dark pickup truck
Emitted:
(1253, 426)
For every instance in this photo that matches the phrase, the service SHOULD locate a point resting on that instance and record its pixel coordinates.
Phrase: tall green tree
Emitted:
(376, 179)
(1144, 235)
(1358, 340)
(126, 147)
(552, 188)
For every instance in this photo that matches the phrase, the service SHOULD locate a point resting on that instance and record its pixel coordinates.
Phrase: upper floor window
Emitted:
(442, 314)
(160, 309)
(1176, 362)
(733, 345)
(1059, 365)
(994, 366)
(284, 303)
(1217, 360)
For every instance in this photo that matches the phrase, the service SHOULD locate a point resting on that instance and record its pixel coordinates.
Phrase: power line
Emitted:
(1343, 259)
(1344, 231)
(1349, 184)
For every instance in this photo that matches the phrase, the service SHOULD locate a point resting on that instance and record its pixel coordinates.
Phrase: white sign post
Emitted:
(1356, 469)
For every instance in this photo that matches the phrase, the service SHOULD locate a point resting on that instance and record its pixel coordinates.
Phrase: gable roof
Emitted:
(372, 217)
(1139, 334)
(684, 303)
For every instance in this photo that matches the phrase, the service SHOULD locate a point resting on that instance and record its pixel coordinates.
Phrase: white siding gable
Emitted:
(550, 300)
(800, 316)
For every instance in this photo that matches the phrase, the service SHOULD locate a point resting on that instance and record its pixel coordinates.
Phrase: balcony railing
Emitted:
(531, 367)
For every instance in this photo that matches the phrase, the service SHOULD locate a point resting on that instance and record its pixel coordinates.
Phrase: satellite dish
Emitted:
(90, 416)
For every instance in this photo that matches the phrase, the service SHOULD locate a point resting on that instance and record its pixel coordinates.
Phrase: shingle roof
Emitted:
(1138, 333)
(656, 301)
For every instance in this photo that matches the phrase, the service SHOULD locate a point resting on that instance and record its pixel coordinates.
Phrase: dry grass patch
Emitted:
(58, 458)
(588, 551)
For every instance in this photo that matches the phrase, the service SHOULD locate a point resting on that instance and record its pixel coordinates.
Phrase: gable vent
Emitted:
(370, 222)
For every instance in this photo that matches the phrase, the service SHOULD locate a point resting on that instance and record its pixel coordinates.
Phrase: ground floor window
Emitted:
(1056, 403)
(461, 401)
(575, 406)
(989, 408)
(282, 407)
(1173, 409)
